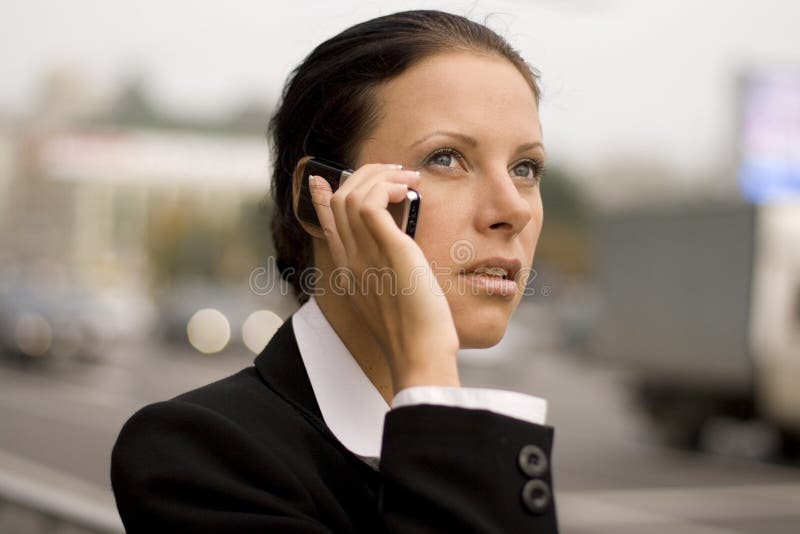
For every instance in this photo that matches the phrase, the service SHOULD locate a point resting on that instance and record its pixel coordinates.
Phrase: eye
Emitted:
(528, 170)
(444, 157)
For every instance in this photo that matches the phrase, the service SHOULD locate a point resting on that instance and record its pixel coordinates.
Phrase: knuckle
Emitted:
(351, 201)
(365, 211)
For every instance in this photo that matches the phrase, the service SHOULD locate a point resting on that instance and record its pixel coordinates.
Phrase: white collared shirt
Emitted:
(352, 406)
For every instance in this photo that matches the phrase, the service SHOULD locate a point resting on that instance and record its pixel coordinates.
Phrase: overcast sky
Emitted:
(643, 79)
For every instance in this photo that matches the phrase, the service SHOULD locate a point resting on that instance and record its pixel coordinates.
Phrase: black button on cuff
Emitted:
(536, 496)
(532, 460)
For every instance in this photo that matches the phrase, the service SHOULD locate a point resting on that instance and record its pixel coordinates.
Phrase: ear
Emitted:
(297, 182)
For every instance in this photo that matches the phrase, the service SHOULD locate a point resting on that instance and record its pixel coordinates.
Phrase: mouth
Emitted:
(494, 272)
(502, 268)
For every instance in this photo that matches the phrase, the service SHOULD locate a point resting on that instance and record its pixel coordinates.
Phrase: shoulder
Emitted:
(171, 434)
(206, 443)
(214, 404)
(224, 429)
(235, 410)
(220, 458)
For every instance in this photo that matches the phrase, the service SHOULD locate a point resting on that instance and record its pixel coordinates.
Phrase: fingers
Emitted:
(376, 218)
(347, 202)
(365, 173)
(321, 194)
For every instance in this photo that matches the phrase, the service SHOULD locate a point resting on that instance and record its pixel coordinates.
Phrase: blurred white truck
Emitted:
(702, 304)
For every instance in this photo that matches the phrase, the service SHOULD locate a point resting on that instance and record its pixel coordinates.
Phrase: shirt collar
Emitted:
(356, 419)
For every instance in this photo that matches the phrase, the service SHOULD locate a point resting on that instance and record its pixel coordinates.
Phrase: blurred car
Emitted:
(41, 322)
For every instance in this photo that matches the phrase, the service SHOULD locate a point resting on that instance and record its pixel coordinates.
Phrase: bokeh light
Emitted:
(259, 328)
(208, 330)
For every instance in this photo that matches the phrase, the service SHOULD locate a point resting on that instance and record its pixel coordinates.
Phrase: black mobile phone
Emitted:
(405, 213)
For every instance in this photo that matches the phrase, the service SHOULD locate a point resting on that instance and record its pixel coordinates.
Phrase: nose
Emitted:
(501, 207)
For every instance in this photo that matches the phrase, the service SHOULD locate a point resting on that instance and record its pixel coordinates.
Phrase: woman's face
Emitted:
(470, 124)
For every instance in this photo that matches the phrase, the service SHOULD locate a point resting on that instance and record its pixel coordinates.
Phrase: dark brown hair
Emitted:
(327, 108)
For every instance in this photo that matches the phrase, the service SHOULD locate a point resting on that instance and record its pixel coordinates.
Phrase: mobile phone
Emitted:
(405, 213)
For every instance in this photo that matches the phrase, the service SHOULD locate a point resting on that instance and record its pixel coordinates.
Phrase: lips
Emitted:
(505, 268)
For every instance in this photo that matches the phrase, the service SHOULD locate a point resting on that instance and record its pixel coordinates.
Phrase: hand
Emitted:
(410, 318)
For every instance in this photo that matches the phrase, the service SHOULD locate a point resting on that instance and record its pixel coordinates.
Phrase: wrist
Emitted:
(441, 374)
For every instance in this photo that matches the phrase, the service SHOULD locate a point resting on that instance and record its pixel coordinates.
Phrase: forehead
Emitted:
(482, 94)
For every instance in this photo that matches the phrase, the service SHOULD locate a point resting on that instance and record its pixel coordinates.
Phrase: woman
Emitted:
(305, 441)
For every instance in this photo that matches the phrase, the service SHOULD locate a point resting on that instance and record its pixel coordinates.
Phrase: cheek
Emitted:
(531, 232)
(528, 240)
(444, 219)
(536, 212)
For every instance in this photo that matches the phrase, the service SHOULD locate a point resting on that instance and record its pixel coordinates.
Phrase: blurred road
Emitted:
(610, 474)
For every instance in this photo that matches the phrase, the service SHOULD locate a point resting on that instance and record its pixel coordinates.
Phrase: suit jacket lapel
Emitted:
(281, 367)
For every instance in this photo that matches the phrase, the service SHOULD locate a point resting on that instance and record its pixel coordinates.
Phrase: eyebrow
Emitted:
(471, 141)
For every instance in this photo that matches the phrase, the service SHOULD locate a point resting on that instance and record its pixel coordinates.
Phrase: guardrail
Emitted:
(35, 499)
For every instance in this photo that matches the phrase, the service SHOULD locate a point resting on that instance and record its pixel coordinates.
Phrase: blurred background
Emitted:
(663, 324)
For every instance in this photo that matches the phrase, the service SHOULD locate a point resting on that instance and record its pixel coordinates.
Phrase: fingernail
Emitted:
(313, 180)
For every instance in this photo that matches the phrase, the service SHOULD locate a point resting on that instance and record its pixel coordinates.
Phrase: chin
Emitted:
(481, 326)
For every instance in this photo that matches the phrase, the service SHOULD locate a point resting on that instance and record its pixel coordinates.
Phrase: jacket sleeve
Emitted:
(179, 467)
(450, 469)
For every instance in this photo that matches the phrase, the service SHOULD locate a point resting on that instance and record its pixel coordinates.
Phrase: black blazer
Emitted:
(251, 453)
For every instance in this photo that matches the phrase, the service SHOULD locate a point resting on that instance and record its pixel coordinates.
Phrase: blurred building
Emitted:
(112, 201)
(83, 180)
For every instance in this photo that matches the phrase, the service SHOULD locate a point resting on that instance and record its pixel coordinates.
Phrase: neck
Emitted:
(348, 325)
